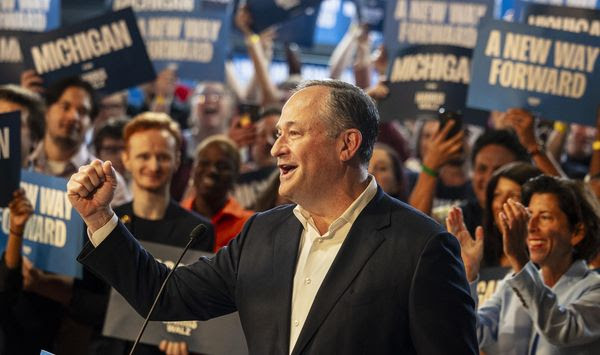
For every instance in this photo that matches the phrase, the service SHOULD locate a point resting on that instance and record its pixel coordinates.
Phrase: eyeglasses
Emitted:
(202, 98)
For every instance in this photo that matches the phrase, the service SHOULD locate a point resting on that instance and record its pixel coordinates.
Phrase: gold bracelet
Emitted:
(560, 127)
(253, 39)
(596, 145)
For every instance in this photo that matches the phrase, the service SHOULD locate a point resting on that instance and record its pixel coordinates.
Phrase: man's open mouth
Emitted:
(285, 169)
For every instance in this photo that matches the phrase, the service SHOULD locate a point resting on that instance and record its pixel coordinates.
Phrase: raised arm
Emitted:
(523, 123)
(343, 52)
(270, 93)
(202, 290)
(440, 151)
(362, 61)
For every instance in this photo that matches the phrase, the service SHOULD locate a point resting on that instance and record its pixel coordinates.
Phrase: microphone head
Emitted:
(198, 231)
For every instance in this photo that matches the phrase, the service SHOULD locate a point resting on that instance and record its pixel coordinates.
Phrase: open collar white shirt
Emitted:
(316, 255)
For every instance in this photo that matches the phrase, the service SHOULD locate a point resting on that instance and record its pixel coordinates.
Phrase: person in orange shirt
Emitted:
(216, 168)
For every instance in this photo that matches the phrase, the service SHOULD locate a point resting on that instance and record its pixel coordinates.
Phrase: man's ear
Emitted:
(351, 140)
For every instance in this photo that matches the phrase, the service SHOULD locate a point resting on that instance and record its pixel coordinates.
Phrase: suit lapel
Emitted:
(361, 242)
(285, 255)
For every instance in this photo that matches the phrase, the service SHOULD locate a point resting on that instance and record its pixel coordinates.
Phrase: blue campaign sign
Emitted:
(54, 233)
(11, 56)
(424, 78)
(29, 15)
(452, 23)
(270, 12)
(335, 16)
(520, 5)
(571, 19)
(372, 13)
(10, 155)
(107, 51)
(191, 34)
(300, 29)
(553, 74)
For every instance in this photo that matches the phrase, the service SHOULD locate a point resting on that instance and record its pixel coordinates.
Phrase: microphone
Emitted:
(196, 233)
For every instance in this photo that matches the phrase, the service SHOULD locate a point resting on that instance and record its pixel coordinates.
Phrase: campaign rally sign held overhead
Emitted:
(415, 22)
(269, 12)
(372, 13)
(11, 56)
(29, 15)
(424, 78)
(518, 6)
(288, 32)
(193, 34)
(333, 21)
(10, 155)
(570, 19)
(107, 51)
(222, 335)
(552, 73)
(53, 235)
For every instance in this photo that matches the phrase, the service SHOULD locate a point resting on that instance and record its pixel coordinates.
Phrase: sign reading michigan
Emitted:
(106, 51)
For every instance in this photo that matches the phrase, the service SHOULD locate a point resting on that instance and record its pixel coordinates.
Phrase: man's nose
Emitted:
(72, 114)
(278, 147)
(153, 163)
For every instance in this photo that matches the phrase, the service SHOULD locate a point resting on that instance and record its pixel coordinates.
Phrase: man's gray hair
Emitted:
(349, 107)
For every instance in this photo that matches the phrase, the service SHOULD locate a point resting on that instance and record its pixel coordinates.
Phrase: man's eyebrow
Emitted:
(286, 124)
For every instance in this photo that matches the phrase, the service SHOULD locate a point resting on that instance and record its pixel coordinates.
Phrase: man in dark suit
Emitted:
(346, 270)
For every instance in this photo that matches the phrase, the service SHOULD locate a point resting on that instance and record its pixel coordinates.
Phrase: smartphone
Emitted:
(445, 115)
(249, 113)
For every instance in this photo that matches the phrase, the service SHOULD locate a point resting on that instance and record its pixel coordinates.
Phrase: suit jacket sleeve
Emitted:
(202, 290)
(442, 312)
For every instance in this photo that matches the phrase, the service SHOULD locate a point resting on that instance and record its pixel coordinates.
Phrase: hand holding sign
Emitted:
(20, 211)
(471, 251)
(243, 20)
(91, 191)
(523, 123)
(174, 347)
(32, 81)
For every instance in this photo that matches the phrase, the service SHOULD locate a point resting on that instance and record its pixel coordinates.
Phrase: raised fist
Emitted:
(91, 191)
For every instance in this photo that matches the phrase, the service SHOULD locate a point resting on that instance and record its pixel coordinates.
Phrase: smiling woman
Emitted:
(556, 309)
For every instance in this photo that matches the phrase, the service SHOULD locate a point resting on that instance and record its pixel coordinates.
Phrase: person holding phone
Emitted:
(446, 145)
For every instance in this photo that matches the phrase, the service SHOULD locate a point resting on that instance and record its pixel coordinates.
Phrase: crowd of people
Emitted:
(513, 194)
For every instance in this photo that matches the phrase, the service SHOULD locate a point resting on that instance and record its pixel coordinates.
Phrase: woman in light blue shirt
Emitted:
(551, 303)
